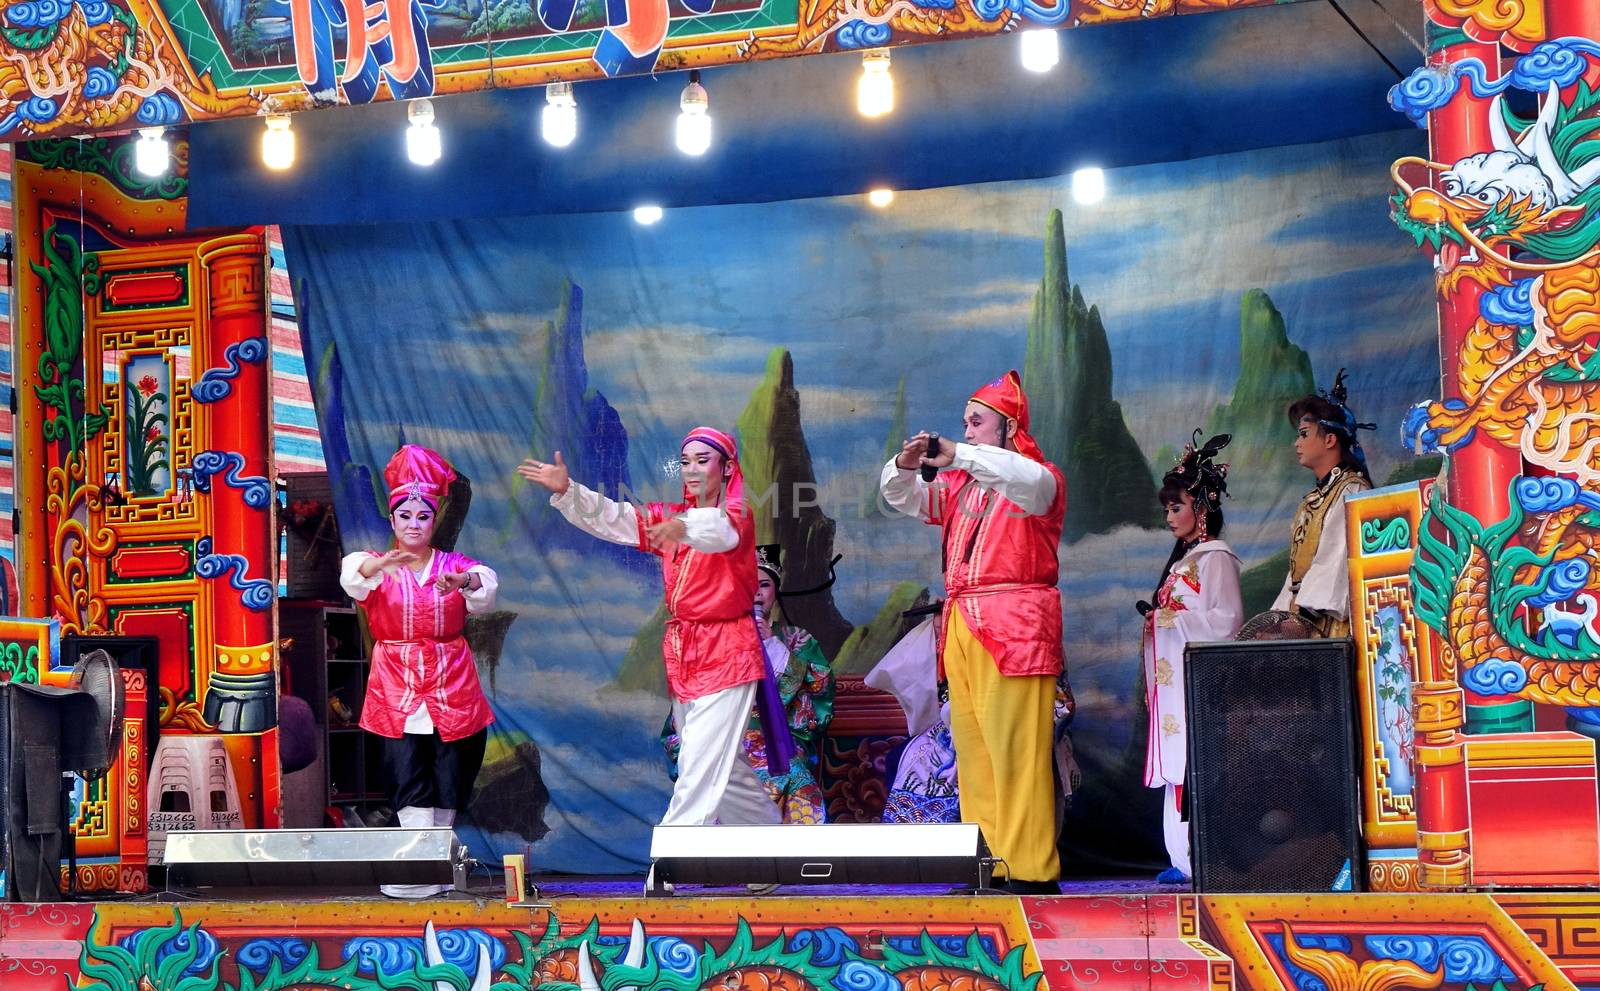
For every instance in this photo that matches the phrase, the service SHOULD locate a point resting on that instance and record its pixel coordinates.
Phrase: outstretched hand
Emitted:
(553, 476)
(389, 561)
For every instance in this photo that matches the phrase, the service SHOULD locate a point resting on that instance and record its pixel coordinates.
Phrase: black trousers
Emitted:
(428, 773)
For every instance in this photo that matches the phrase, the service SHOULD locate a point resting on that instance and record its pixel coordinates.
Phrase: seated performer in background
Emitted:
(423, 695)
(805, 683)
(1317, 588)
(714, 661)
(1197, 600)
(1001, 506)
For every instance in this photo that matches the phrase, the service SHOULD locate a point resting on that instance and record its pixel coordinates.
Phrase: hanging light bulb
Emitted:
(1088, 185)
(1041, 49)
(647, 214)
(694, 118)
(151, 154)
(881, 197)
(277, 143)
(875, 90)
(558, 122)
(423, 145)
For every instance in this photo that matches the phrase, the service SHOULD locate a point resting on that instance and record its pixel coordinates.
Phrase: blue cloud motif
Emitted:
(38, 109)
(1427, 89)
(859, 975)
(829, 946)
(1548, 495)
(1561, 580)
(159, 110)
(99, 82)
(96, 12)
(258, 954)
(1465, 958)
(203, 959)
(860, 34)
(1509, 305)
(1495, 677)
(1560, 61)
(675, 955)
(394, 954)
(37, 13)
(1304, 980)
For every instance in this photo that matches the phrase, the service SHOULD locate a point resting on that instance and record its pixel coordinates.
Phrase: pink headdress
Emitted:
(725, 445)
(417, 473)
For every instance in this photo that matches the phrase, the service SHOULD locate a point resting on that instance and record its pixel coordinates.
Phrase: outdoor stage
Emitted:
(1122, 935)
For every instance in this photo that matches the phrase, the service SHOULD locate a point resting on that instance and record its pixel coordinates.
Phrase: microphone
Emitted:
(929, 472)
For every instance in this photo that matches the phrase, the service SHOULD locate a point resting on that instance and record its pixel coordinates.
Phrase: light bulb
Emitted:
(881, 197)
(694, 118)
(1041, 49)
(647, 214)
(277, 143)
(558, 123)
(151, 155)
(1088, 185)
(423, 145)
(875, 90)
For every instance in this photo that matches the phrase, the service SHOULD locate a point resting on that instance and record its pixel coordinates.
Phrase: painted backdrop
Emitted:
(1207, 293)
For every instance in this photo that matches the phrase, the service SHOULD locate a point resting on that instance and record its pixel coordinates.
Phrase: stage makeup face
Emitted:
(704, 469)
(1181, 518)
(985, 426)
(1317, 449)
(766, 592)
(413, 526)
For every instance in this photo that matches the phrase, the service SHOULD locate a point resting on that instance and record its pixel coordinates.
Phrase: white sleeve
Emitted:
(1281, 603)
(904, 491)
(1326, 586)
(481, 599)
(355, 585)
(598, 516)
(1220, 610)
(1021, 480)
(708, 530)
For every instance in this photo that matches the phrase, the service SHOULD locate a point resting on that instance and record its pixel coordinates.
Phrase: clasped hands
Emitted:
(913, 454)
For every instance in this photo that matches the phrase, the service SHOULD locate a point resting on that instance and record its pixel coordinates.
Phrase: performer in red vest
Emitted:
(423, 695)
(715, 664)
(1001, 505)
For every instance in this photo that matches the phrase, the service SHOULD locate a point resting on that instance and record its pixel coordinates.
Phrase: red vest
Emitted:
(1000, 570)
(711, 641)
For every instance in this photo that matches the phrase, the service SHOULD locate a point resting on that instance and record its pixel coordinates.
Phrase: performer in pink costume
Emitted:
(423, 695)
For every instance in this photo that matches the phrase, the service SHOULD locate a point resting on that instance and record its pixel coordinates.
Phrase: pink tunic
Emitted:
(419, 653)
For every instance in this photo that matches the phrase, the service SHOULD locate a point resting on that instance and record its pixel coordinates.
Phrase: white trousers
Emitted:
(715, 783)
(1176, 831)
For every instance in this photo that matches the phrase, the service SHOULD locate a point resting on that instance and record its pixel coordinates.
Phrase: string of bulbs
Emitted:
(558, 122)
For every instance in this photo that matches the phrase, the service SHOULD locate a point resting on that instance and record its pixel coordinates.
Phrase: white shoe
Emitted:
(762, 889)
(412, 892)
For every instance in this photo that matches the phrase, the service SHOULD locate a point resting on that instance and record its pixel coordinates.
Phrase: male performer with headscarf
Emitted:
(1000, 505)
(715, 664)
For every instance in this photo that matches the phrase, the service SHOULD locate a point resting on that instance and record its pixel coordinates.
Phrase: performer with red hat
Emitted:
(1001, 506)
(423, 695)
(716, 669)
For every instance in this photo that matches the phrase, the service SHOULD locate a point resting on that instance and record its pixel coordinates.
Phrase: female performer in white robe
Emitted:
(1196, 601)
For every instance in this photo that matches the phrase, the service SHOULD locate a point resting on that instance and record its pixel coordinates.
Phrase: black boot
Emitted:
(1019, 887)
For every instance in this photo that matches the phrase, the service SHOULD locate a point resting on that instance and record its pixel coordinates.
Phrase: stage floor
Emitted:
(601, 934)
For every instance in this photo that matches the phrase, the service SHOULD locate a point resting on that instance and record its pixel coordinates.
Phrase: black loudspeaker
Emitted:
(1272, 775)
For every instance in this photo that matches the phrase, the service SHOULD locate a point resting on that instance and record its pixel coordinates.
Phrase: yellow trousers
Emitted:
(1002, 728)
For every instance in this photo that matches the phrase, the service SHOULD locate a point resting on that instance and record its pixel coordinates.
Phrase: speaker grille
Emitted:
(1272, 776)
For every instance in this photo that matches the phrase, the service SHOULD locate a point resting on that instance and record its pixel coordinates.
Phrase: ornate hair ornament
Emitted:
(1347, 424)
(1198, 473)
